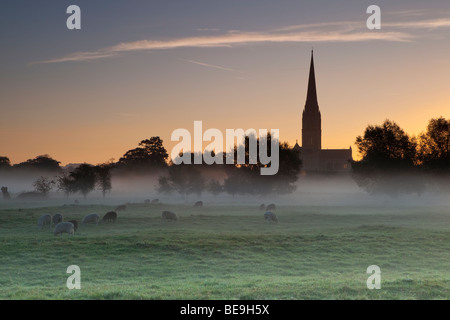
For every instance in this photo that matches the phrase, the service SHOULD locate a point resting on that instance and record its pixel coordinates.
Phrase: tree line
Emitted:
(393, 162)
(151, 158)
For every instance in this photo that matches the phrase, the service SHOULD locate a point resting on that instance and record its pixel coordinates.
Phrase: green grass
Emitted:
(229, 252)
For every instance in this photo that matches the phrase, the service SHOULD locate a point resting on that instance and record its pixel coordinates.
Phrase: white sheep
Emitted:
(44, 220)
(91, 218)
(270, 216)
(62, 227)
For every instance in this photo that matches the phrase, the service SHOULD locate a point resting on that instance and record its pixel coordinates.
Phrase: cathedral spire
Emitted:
(311, 121)
(311, 98)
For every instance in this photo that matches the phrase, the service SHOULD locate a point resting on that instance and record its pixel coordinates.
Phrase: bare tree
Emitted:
(43, 185)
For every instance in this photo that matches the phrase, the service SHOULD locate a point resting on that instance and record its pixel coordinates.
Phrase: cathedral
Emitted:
(314, 158)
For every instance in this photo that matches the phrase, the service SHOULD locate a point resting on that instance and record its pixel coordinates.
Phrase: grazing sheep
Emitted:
(44, 220)
(168, 215)
(262, 207)
(6, 195)
(110, 217)
(271, 207)
(198, 204)
(121, 208)
(62, 227)
(57, 218)
(91, 218)
(270, 216)
(75, 224)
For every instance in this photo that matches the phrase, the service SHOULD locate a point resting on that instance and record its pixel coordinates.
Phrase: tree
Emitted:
(214, 187)
(183, 178)
(103, 177)
(66, 184)
(236, 181)
(5, 163)
(387, 144)
(434, 146)
(41, 163)
(164, 186)
(434, 154)
(388, 161)
(84, 179)
(150, 154)
(43, 185)
(247, 179)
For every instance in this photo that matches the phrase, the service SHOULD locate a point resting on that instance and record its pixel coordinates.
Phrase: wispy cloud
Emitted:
(412, 12)
(211, 66)
(348, 31)
(424, 24)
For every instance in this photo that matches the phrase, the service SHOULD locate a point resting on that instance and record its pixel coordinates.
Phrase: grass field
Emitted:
(229, 252)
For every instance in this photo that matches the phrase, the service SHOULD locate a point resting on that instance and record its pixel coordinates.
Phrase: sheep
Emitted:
(270, 216)
(57, 218)
(44, 220)
(168, 215)
(62, 227)
(271, 207)
(110, 216)
(198, 204)
(121, 208)
(91, 218)
(75, 224)
(262, 207)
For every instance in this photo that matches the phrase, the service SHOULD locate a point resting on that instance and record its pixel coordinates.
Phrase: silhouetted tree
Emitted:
(183, 178)
(41, 163)
(434, 154)
(388, 161)
(164, 186)
(5, 163)
(66, 184)
(434, 146)
(236, 181)
(247, 179)
(214, 187)
(43, 185)
(103, 177)
(84, 179)
(150, 154)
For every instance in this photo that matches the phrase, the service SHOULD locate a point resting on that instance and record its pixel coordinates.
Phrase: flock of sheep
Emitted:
(72, 225)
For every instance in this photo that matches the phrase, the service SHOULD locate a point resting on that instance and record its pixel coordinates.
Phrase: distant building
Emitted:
(313, 157)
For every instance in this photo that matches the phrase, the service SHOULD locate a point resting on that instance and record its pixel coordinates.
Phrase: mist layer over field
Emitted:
(322, 190)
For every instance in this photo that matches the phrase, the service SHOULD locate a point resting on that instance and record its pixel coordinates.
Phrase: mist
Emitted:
(333, 190)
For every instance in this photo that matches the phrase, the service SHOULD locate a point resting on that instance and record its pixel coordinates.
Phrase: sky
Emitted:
(138, 69)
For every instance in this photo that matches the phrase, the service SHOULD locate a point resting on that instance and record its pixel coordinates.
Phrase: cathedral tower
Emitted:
(311, 121)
